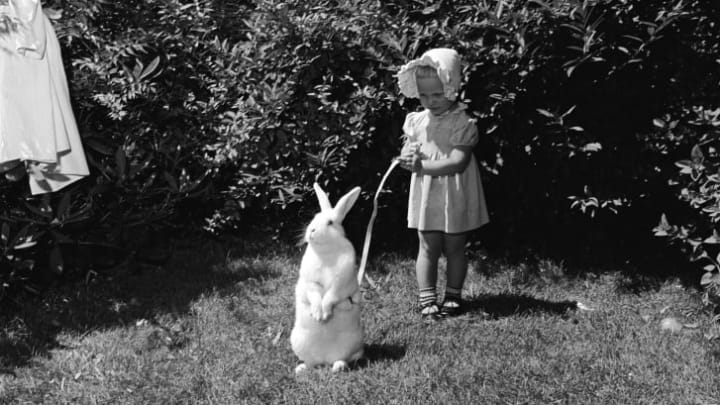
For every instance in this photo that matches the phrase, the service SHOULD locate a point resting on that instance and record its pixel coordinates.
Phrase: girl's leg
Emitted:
(429, 250)
(457, 264)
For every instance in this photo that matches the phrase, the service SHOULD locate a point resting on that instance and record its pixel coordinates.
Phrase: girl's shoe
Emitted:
(451, 307)
(430, 312)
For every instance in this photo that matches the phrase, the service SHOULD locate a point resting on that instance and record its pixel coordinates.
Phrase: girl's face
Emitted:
(432, 94)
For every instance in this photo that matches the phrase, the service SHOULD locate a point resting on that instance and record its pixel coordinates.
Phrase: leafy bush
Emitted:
(565, 92)
(699, 187)
(124, 61)
(568, 94)
(312, 82)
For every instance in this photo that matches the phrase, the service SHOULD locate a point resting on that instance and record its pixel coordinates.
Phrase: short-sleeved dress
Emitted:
(454, 203)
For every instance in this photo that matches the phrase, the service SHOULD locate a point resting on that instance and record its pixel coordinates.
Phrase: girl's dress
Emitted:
(37, 125)
(454, 203)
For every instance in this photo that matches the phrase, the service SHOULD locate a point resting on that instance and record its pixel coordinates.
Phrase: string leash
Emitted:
(368, 232)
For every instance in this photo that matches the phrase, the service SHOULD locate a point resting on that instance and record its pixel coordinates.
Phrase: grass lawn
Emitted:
(215, 331)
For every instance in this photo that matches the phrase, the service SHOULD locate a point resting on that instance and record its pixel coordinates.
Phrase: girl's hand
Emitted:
(410, 148)
(410, 157)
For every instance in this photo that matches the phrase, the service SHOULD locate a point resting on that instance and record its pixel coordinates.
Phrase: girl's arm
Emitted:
(456, 162)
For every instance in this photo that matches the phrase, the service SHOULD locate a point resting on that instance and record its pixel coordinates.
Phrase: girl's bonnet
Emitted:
(448, 64)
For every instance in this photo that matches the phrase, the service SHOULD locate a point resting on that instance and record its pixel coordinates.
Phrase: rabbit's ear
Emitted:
(322, 198)
(345, 203)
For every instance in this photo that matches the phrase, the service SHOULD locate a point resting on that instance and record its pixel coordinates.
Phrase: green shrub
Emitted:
(566, 94)
(698, 183)
(143, 142)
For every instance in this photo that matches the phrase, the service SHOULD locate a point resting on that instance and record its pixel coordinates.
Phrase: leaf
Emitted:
(148, 182)
(541, 4)
(391, 42)
(27, 244)
(570, 70)
(697, 155)
(5, 233)
(137, 69)
(120, 162)
(578, 30)
(592, 147)
(22, 235)
(150, 68)
(634, 38)
(569, 111)
(42, 210)
(171, 181)
(545, 113)
(63, 206)
(431, 9)
(56, 261)
(128, 72)
(684, 164)
(710, 277)
(31, 289)
(99, 146)
(698, 255)
(660, 232)
(713, 239)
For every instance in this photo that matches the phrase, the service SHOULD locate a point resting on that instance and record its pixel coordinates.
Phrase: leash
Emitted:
(368, 233)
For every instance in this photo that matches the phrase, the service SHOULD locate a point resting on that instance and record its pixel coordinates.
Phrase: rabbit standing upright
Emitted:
(327, 327)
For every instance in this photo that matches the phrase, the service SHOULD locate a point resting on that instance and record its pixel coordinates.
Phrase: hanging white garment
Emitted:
(37, 125)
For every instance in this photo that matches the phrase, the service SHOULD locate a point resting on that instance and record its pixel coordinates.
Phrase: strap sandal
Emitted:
(430, 312)
(451, 307)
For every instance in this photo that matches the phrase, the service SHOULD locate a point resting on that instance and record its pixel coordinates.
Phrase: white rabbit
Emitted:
(327, 295)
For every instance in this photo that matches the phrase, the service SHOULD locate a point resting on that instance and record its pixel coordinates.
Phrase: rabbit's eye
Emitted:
(330, 221)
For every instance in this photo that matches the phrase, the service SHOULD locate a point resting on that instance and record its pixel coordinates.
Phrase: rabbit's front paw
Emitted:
(325, 316)
(316, 312)
(327, 310)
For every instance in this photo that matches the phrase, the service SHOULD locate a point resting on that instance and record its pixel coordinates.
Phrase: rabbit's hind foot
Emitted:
(339, 365)
(300, 368)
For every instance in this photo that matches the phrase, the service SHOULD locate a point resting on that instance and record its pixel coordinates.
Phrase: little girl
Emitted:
(446, 196)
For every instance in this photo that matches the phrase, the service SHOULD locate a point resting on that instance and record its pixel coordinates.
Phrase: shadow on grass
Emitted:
(124, 295)
(503, 305)
(375, 353)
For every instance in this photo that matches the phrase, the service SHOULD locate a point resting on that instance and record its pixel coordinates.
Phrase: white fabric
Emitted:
(37, 124)
(448, 64)
(454, 203)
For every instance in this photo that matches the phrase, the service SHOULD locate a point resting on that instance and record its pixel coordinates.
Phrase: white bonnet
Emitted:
(449, 69)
